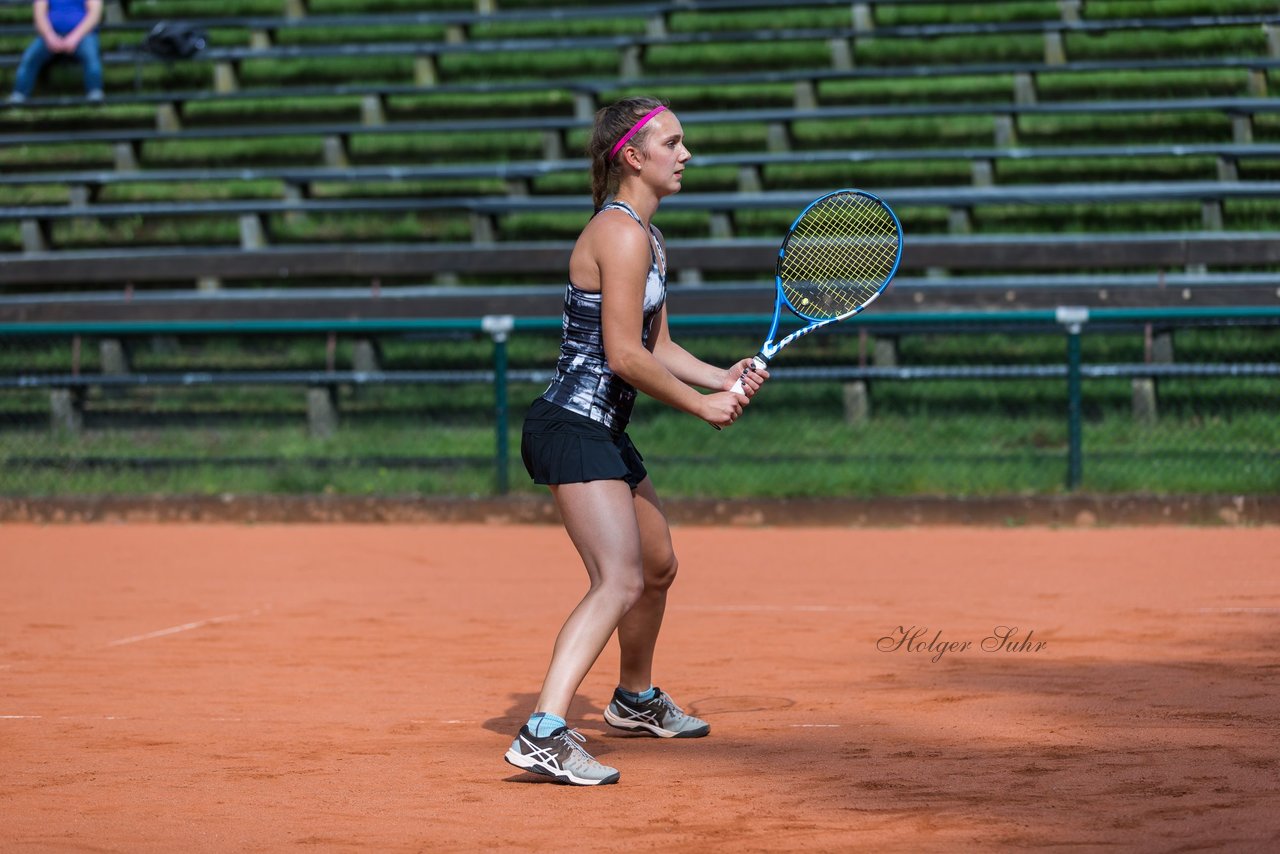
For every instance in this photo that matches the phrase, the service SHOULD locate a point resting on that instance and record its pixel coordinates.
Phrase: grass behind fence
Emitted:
(774, 451)
(943, 437)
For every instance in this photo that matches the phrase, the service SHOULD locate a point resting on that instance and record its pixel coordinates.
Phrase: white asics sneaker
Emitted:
(659, 716)
(559, 755)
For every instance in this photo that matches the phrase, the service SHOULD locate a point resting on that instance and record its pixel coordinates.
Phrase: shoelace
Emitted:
(574, 739)
(670, 704)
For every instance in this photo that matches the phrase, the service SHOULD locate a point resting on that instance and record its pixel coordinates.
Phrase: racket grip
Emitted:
(757, 364)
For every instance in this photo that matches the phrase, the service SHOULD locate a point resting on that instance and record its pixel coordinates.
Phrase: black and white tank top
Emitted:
(583, 382)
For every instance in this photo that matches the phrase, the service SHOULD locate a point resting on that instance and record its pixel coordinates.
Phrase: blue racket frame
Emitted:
(770, 349)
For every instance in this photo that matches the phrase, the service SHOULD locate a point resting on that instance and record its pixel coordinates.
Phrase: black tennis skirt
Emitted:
(559, 446)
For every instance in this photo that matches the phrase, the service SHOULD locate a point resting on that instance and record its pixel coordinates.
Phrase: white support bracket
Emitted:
(498, 325)
(1074, 317)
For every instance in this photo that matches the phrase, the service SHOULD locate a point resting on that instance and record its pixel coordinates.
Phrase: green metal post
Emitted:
(1075, 442)
(500, 326)
(1073, 318)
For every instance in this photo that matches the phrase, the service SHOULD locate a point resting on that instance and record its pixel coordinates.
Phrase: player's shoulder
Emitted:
(616, 217)
(619, 232)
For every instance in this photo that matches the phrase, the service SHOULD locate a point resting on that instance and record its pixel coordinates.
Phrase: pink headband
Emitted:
(634, 129)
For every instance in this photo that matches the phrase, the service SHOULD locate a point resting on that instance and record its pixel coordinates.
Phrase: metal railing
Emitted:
(1072, 322)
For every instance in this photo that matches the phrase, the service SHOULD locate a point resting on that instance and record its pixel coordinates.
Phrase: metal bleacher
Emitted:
(333, 168)
(967, 233)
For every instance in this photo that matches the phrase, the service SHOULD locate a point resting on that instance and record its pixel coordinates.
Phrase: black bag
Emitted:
(174, 41)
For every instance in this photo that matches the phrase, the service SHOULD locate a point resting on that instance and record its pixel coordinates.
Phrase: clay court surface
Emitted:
(353, 687)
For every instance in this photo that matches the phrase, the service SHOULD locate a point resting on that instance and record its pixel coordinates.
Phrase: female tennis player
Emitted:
(616, 342)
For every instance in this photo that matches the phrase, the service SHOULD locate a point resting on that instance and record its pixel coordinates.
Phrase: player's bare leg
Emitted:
(638, 705)
(601, 521)
(638, 630)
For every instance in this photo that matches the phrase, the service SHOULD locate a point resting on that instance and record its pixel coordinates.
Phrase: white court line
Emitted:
(20, 717)
(814, 726)
(185, 627)
(1238, 610)
(813, 608)
(424, 721)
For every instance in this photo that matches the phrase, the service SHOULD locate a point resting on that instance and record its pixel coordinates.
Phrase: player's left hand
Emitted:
(752, 377)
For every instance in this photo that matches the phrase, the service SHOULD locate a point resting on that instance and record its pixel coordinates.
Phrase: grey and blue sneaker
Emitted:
(561, 756)
(659, 716)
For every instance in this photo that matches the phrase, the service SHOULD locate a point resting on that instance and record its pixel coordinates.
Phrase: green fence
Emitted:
(956, 403)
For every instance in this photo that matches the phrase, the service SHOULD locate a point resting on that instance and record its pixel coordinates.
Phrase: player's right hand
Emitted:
(722, 408)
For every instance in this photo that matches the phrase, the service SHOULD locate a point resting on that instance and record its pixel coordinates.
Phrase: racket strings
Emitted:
(838, 256)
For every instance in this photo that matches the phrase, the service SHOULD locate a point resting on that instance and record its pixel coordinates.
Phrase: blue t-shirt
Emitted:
(65, 15)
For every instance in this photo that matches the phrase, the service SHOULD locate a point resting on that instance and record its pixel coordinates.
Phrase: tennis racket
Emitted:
(837, 257)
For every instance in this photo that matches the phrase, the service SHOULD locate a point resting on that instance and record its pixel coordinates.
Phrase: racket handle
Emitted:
(757, 364)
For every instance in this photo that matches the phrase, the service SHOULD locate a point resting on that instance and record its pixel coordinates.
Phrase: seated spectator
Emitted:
(64, 27)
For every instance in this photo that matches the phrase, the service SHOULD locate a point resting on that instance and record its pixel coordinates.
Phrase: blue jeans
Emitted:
(38, 55)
